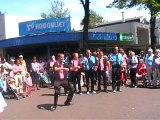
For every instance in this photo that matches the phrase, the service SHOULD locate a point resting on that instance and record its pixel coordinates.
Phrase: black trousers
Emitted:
(133, 77)
(89, 74)
(116, 76)
(96, 76)
(102, 74)
(67, 86)
(76, 80)
(51, 76)
(35, 77)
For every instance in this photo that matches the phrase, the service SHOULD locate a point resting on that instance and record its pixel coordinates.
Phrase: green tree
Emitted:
(152, 5)
(57, 10)
(94, 20)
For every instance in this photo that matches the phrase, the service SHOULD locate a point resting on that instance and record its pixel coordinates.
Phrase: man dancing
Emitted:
(60, 74)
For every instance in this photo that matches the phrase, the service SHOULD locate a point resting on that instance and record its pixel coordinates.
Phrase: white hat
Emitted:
(150, 50)
(21, 56)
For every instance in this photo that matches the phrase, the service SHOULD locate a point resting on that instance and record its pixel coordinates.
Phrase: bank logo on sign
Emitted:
(45, 26)
(31, 27)
(125, 37)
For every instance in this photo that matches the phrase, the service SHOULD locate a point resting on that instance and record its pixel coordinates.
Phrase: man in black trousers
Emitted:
(60, 74)
(116, 59)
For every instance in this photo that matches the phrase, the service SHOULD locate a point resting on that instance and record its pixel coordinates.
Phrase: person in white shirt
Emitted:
(35, 67)
(133, 62)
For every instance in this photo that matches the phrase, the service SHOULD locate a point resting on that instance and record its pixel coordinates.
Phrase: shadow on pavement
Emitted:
(47, 95)
(47, 106)
(44, 106)
(149, 87)
(62, 94)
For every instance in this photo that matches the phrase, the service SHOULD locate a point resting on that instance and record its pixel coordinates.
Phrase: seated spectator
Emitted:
(141, 70)
(10, 68)
(12, 84)
(17, 70)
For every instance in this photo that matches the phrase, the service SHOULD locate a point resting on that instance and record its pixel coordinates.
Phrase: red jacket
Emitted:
(141, 69)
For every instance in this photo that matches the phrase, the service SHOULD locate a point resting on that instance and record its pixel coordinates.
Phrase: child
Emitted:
(12, 84)
(44, 77)
(141, 70)
(123, 74)
(108, 68)
(28, 81)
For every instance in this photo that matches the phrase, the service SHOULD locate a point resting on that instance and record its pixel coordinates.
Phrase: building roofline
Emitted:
(136, 19)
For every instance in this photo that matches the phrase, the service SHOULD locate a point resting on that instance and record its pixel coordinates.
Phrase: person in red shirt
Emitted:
(141, 71)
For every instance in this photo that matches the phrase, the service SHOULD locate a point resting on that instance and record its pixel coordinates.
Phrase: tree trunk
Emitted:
(152, 30)
(85, 28)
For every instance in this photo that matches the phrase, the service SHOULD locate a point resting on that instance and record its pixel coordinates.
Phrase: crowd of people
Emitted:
(90, 70)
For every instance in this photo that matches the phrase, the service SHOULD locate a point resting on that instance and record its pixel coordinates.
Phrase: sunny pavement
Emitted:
(132, 103)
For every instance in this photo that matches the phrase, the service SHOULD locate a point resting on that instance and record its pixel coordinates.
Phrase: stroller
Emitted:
(11, 91)
(44, 80)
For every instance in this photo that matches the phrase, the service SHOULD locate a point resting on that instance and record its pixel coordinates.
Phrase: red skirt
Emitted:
(123, 76)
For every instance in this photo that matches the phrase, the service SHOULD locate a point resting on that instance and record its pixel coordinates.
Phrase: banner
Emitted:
(44, 26)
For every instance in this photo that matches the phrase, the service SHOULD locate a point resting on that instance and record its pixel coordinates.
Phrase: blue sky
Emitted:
(33, 9)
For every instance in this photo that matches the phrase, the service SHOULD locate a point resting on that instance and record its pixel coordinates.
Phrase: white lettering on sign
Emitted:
(30, 27)
(41, 26)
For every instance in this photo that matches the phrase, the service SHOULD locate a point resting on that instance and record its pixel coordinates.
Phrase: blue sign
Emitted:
(102, 36)
(45, 26)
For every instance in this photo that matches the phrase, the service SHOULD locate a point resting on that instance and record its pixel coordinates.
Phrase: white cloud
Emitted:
(75, 9)
(129, 13)
(75, 23)
(97, 4)
(74, 6)
(76, 12)
(32, 8)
